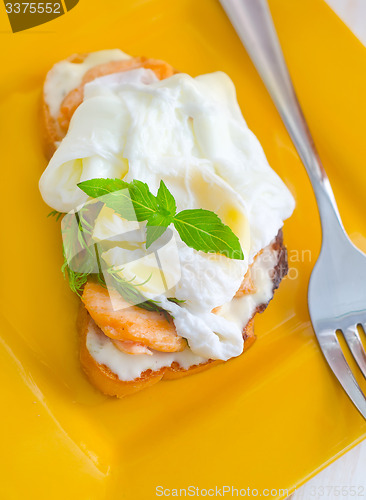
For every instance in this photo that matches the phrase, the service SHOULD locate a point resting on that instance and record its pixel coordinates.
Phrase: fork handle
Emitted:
(253, 23)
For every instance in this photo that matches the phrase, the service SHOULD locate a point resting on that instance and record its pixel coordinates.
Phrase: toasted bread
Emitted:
(94, 315)
(55, 127)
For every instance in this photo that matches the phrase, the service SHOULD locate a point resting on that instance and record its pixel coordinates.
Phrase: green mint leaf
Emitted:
(200, 229)
(156, 226)
(165, 199)
(95, 188)
(113, 192)
(203, 230)
(133, 201)
(144, 202)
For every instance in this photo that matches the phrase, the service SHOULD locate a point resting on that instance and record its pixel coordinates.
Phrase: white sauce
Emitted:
(238, 310)
(66, 76)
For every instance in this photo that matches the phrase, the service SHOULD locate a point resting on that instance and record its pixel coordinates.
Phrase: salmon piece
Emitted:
(76, 96)
(150, 328)
(129, 347)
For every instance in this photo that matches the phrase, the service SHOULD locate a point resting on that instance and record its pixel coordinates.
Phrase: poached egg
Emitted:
(190, 133)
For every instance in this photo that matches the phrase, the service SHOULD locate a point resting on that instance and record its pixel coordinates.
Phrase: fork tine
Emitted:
(355, 346)
(332, 351)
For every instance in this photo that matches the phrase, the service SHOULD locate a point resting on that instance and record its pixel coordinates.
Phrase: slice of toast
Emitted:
(56, 124)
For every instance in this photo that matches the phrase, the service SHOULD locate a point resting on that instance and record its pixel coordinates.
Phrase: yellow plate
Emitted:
(269, 419)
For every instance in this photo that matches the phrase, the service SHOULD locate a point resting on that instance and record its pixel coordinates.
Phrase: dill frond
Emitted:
(55, 214)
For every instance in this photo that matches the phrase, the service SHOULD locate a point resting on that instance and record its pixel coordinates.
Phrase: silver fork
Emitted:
(337, 289)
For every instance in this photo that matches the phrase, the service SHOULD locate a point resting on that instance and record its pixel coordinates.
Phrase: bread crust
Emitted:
(50, 128)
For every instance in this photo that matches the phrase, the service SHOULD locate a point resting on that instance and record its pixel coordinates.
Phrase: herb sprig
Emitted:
(82, 253)
(56, 214)
(198, 228)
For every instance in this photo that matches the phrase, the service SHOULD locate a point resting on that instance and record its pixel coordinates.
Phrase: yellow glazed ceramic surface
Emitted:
(269, 419)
